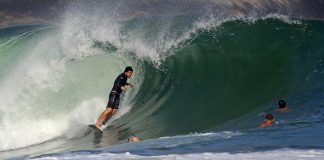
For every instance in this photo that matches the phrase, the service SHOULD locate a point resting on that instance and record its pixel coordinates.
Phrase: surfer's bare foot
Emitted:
(98, 126)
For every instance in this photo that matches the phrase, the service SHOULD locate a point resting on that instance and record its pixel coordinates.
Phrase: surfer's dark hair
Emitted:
(282, 103)
(128, 68)
(269, 117)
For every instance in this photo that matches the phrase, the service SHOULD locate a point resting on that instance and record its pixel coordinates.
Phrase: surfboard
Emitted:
(93, 127)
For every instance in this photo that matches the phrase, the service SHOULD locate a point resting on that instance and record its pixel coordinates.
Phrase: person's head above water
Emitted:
(133, 139)
(268, 121)
(282, 104)
(128, 71)
(269, 117)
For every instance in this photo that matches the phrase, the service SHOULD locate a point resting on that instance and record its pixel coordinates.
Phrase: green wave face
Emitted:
(227, 72)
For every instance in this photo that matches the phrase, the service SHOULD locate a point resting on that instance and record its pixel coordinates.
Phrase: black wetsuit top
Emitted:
(120, 81)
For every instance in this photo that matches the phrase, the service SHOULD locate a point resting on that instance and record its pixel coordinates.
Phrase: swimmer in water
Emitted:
(268, 121)
(133, 139)
(282, 106)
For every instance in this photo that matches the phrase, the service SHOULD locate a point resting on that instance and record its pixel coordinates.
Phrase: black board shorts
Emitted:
(113, 101)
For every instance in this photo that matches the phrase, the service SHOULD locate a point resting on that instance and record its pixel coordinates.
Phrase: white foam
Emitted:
(224, 134)
(282, 154)
(80, 31)
(21, 125)
(84, 114)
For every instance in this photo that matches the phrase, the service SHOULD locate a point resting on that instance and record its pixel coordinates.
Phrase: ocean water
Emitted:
(202, 87)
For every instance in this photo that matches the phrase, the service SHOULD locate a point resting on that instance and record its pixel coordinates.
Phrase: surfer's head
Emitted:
(282, 104)
(128, 71)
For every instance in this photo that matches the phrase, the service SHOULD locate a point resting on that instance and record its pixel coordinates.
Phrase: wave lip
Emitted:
(138, 8)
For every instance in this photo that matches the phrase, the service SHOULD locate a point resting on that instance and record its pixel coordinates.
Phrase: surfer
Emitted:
(282, 106)
(113, 102)
(268, 121)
